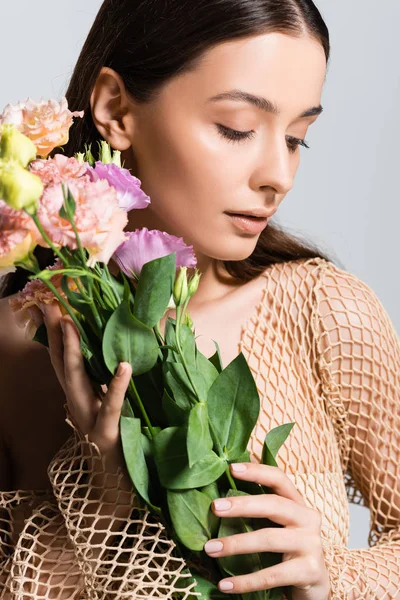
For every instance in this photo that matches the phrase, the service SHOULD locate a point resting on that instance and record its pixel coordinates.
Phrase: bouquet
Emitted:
(185, 417)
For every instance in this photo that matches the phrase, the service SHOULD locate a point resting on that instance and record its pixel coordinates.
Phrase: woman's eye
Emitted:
(295, 142)
(237, 136)
(233, 135)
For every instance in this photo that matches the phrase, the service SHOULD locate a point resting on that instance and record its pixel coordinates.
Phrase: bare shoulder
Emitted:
(32, 401)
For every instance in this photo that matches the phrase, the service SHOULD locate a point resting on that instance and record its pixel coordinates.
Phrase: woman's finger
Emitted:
(269, 476)
(107, 424)
(81, 400)
(273, 539)
(52, 315)
(276, 508)
(299, 571)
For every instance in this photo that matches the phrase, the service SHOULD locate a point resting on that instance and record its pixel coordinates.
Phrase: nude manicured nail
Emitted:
(222, 504)
(238, 467)
(226, 585)
(213, 546)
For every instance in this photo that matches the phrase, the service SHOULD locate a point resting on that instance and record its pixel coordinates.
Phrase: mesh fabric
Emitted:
(324, 353)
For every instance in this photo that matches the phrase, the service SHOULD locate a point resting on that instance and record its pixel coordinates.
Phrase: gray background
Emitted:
(345, 196)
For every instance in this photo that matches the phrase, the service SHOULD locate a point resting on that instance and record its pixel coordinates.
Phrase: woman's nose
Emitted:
(276, 169)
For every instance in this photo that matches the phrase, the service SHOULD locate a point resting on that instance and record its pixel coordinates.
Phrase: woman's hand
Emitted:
(303, 567)
(98, 418)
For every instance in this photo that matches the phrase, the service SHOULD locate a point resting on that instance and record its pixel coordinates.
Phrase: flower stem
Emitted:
(133, 389)
(214, 436)
(47, 239)
(69, 311)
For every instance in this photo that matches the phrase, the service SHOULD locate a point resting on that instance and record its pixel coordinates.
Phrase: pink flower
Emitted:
(130, 195)
(144, 245)
(18, 236)
(58, 169)
(98, 218)
(47, 124)
(34, 293)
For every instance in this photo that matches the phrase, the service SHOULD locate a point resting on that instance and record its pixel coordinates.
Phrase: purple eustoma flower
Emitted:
(129, 193)
(144, 245)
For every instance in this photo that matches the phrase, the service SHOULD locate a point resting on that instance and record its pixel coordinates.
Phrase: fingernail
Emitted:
(212, 546)
(224, 586)
(121, 370)
(239, 467)
(222, 504)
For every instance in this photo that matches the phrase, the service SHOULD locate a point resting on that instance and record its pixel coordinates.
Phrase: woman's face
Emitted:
(193, 173)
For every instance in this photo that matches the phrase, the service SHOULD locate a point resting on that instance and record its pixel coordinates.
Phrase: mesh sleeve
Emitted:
(359, 363)
(84, 546)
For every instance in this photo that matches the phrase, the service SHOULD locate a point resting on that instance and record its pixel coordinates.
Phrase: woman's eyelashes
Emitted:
(238, 136)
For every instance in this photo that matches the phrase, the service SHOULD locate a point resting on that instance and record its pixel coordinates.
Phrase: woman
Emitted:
(182, 91)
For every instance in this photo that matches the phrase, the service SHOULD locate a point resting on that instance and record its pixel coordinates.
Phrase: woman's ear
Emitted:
(112, 111)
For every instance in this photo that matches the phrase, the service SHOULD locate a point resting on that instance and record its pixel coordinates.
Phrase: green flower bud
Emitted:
(181, 287)
(89, 156)
(19, 188)
(116, 158)
(188, 321)
(194, 283)
(105, 152)
(80, 157)
(16, 146)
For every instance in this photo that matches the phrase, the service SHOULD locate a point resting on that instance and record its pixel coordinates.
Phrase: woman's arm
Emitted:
(359, 364)
(117, 546)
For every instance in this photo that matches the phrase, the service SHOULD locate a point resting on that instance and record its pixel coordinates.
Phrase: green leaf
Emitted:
(206, 368)
(174, 413)
(172, 462)
(127, 339)
(267, 456)
(234, 406)
(277, 436)
(150, 392)
(131, 437)
(70, 202)
(170, 340)
(211, 490)
(188, 345)
(273, 441)
(180, 390)
(216, 359)
(181, 386)
(190, 515)
(63, 213)
(199, 441)
(154, 289)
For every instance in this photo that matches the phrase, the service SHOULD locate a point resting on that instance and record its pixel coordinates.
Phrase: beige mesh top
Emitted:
(324, 354)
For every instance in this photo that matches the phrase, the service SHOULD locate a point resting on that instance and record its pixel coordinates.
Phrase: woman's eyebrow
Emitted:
(260, 102)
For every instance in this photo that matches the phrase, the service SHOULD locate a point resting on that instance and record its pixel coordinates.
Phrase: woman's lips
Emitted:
(247, 223)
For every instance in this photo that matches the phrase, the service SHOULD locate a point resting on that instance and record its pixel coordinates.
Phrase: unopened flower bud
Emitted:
(16, 146)
(19, 188)
(89, 158)
(105, 152)
(187, 320)
(116, 158)
(181, 287)
(80, 157)
(194, 283)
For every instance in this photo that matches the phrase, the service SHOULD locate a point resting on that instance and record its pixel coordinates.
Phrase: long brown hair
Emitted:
(148, 43)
